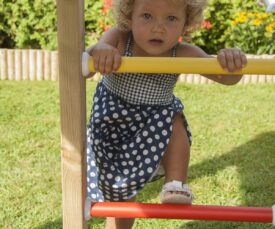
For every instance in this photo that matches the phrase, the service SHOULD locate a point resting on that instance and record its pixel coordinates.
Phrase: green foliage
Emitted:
(32, 24)
(252, 32)
(225, 31)
(218, 14)
(97, 20)
(28, 24)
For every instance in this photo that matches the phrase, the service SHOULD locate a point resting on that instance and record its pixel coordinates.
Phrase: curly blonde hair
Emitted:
(123, 9)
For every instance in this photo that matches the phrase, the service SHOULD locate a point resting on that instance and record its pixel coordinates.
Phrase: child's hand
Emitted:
(232, 59)
(106, 58)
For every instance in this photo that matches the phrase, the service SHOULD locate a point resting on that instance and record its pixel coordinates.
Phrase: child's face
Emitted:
(157, 26)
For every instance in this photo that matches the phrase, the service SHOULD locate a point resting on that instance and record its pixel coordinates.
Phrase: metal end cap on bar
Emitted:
(85, 64)
(87, 209)
(273, 213)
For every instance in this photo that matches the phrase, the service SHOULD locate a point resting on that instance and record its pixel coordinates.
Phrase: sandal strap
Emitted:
(177, 186)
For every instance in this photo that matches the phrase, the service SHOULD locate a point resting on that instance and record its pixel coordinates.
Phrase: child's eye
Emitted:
(172, 18)
(147, 16)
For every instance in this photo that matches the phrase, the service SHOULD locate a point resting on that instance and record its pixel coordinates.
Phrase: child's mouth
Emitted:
(156, 41)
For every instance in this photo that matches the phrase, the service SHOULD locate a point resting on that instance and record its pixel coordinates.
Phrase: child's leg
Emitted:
(176, 158)
(120, 223)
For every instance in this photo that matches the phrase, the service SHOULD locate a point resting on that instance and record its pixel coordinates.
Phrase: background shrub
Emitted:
(28, 24)
(32, 24)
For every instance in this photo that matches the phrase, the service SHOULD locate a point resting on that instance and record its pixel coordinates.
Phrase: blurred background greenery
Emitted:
(228, 23)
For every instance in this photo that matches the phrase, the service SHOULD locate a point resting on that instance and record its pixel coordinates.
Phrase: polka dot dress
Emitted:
(125, 145)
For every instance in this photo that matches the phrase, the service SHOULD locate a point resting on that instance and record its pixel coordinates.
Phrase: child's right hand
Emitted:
(106, 58)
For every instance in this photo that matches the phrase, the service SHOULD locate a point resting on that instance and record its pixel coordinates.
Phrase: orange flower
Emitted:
(206, 24)
(107, 4)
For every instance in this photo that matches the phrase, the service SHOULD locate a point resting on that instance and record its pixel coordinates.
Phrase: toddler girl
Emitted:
(138, 131)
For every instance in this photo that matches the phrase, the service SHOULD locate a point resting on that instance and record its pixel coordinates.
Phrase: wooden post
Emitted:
(70, 14)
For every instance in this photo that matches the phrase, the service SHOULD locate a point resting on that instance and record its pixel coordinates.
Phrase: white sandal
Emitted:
(185, 197)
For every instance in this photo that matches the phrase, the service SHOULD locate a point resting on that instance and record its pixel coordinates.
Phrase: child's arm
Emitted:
(106, 52)
(231, 60)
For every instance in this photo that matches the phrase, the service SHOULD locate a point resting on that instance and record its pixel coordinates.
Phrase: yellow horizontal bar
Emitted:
(189, 65)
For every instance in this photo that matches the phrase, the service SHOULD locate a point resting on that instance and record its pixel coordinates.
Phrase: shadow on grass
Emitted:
(57, 224)
(255, 163)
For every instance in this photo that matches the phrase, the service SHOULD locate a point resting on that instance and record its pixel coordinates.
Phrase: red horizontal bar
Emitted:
(175, 211)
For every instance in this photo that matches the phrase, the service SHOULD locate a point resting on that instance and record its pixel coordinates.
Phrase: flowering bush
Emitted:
(98, 19)
(252, 32)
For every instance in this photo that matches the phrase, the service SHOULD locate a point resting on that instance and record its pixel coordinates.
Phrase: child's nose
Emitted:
(158, 26)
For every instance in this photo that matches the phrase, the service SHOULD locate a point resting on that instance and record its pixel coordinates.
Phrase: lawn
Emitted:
(232, 162)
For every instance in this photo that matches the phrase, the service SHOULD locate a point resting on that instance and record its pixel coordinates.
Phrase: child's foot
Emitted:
(175, 192)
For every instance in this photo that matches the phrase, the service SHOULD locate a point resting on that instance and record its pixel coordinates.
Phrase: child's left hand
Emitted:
(232, 59)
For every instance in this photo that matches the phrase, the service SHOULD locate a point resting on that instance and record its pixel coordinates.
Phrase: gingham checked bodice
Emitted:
(140, 88)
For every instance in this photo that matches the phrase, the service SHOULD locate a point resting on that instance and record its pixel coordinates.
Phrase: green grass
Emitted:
(232, 162)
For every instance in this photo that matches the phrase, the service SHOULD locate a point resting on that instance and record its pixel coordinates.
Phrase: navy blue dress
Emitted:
(129, 131)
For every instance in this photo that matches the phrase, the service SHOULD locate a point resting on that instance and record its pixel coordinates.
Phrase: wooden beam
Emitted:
(73, 111)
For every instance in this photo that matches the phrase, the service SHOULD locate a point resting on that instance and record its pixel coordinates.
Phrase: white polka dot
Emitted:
(124, 163)
(141, 173)
(160, 124)
(164, 132)
(157, 137)
(117, 178)
(109, 176)
(128, 119)
(150, 170)
(115, 115)
(152, 128)
(100, 154)
(133, 128)
(150, 140)
(156, 157)
(141, 146)
(153, 149)
(156, 116)
(114, 136)
(124, 112)
(106, 118)
(145, 152)
(147, 160)
(125, 171)
(133, 183)
(92, 185)
(168, 120)
(131, 145)
(161, 145)
(124, 185)
(138, 140)
(134, 169)
(145, 133)
(164, 112)
(94, 196)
